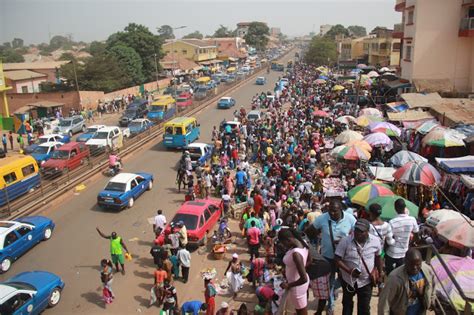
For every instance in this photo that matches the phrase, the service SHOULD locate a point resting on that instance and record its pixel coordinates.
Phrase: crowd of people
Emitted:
(270, 173)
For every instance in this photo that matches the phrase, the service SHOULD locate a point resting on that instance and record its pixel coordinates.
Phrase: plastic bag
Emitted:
(128, 256)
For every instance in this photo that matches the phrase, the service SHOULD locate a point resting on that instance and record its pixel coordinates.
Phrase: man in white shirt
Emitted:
(402, 227)
(159, 222)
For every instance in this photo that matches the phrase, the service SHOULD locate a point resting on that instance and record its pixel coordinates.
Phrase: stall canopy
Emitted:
(45, 104)
(463, 164)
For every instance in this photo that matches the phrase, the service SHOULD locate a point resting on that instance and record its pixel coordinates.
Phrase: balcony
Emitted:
(400, 5)
(467, 27)
(397, 30)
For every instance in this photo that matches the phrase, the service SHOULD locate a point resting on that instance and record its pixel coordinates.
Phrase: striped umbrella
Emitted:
(388, 206)
(365, 120)
(441, 137)
(362, 193)
(348, 135)
(385, 127)
(353, 153)
(417, 173)
(402, 157)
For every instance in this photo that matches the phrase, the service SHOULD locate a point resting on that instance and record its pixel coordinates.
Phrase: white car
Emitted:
(199, 152)
(255, 115)
(105, 139)
(89, 133)
(54, 137)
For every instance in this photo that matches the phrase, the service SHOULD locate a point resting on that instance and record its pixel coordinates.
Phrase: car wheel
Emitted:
(48, 232)
(6, 264)
(55, 297)
(131, 202)
(150, 185)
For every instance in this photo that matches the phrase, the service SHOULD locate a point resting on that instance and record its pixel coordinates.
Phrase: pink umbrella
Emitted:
(378, 138)
(386, 128)
(320, 113)
(370, 111)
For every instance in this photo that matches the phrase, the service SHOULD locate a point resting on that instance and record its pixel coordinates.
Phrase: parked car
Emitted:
(261, 81)
(123, 189)
(199, 216)
(2, 153)
(200, 93)
(44, 151)
(255, 115)
(284, 81)
(106, 139)
(65, 158)
(89, 133)
(199, 152)
(30, 292)
(71, 125)
(137, 126)
(225, 102)
(17, 237)
(135, 110)
(54, 137)
(234, 126)
(211, 84)
(184, 101)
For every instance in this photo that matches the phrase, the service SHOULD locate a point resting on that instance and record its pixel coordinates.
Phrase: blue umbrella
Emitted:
(323, 77)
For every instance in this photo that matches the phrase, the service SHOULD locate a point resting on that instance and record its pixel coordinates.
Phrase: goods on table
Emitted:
(333, 187)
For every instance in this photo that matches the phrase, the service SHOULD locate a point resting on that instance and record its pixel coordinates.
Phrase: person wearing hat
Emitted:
(358, 259)
(234, 276)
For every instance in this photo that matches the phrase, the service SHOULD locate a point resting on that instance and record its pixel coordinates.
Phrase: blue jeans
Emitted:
(334, 283)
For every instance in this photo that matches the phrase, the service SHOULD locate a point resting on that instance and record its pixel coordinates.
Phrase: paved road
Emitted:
(75, 250)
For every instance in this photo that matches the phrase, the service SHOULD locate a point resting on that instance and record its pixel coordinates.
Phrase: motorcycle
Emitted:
(111, 171)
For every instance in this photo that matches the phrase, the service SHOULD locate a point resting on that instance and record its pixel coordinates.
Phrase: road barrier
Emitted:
(58, 180)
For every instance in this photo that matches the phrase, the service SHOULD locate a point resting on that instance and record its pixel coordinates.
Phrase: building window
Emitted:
(24, 89)
(410, 17)
(9, 178)
(396, 47)
(28, 170)
(408, 53)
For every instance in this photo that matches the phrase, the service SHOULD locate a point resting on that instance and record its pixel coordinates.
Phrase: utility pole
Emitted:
(156, 71)
(75, 76)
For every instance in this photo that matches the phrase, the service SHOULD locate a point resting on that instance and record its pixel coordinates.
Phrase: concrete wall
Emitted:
(17, 100)
(90, 99)
(31, 85)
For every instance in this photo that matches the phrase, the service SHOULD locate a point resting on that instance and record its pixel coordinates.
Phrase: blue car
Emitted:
(261, 81)
(123, 189)
(30, 293)
(225, 103)
(17, 237)
(200, 153)
(44, 151)
(89, 133)
(139, 125)
(47, 138)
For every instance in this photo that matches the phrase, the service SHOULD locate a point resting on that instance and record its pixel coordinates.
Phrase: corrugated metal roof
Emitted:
(452, 111)
(416, 100)
(409, 115)
(34, 65)
(18, 75)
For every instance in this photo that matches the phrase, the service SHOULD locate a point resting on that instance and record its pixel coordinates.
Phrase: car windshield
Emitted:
(157, 108)
(21, 286)
(60, 155)
(194, 150)
(41, 150)
(181, 100)
(189, 220)
(135, 124)
(113, 186)
(91, 130)
(65, 123)
(101, 135)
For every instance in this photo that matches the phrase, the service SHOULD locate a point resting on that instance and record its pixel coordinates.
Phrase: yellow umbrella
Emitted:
(361, 143)
(338, 88)
(365, 120)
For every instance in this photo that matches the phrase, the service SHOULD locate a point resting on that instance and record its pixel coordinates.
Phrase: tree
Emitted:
(8, 54)
(17, 43)
(321, 51)
(337, 29)
(130, 61)
(195, 34)
(357, 30)
(67, 56)
(257, 35)
(144, 42)
(96, 48)
(166, 32)
(222, 32)
(57, 42)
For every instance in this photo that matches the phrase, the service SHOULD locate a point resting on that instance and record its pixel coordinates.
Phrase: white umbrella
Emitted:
(438, 216)
(384, 69)
(373, 74)
(347, 136)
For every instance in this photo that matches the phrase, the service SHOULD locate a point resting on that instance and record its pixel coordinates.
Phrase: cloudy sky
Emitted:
(36, 20)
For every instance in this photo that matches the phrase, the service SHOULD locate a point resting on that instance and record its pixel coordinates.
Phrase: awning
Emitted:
(409, 115)
(463, 164)
(398, 84)
(23, 109)
(47, 104)
(382, 173)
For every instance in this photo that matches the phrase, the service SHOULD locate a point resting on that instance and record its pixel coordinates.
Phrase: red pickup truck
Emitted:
(184, 100)
(65, 158)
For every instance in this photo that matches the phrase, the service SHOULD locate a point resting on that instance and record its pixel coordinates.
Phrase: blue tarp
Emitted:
(463, 164)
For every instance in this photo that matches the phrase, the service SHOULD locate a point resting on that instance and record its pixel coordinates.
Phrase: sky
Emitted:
(35, 21)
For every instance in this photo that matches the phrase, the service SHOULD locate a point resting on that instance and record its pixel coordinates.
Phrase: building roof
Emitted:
(409, 115)
(433, 85)
(18, 75)
(416, 100)
(453, 111)
(33, 65)
(194, 42)
(178, 62)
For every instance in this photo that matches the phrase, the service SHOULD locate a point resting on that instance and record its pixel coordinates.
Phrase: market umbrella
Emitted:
(361, 143)
(320, 113)
(361, 66)
(373, 74)
(323, 77)
(458, 232)
(427, 126)
(417, 173)
(370, 111)
(336, 150)
(353, 153)
(365, 120)
(338, 88)
(442, 137)
(385, 127)
(384, 69)
(348, 135)
(402, 157)
(378, 139)
(388, 206)
(462, 269)
(345, 119)
(320, 81)
(362, 193)
(438, 216)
